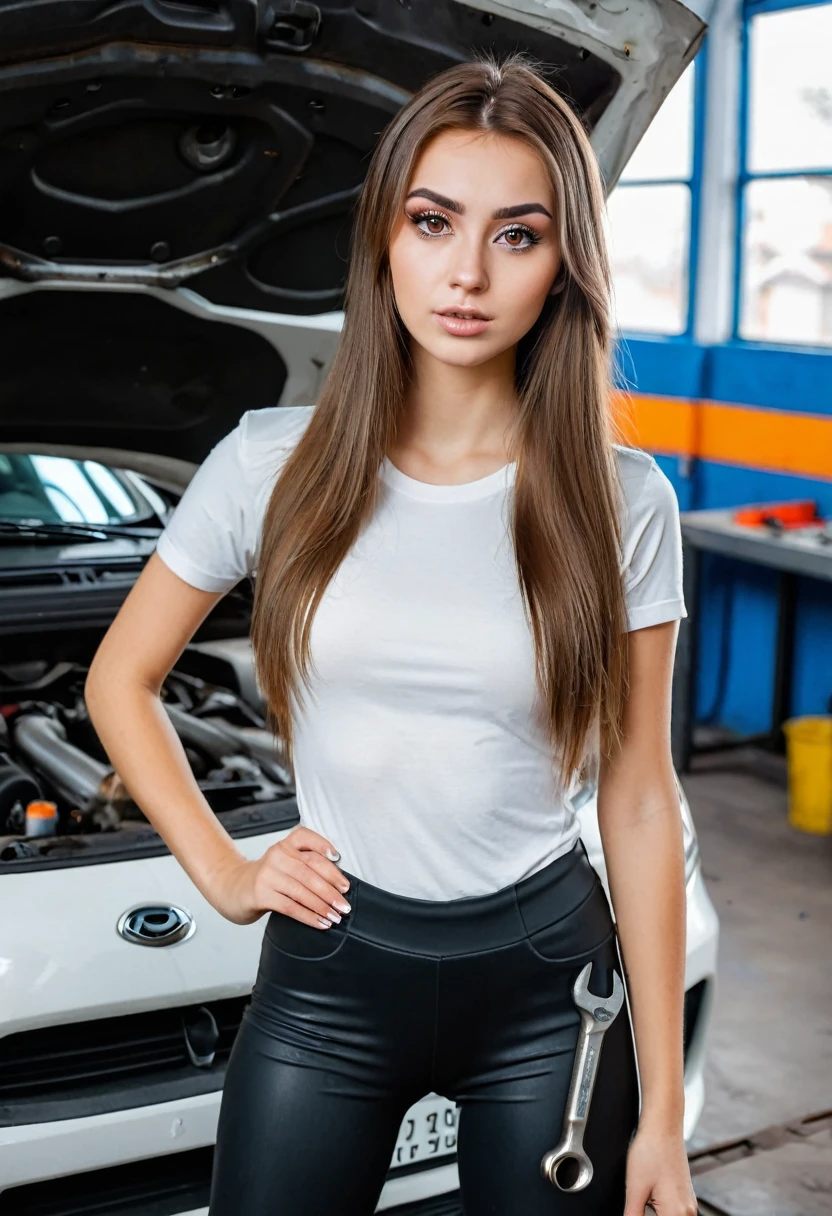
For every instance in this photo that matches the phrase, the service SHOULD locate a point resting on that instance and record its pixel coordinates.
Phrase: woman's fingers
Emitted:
(286, 872)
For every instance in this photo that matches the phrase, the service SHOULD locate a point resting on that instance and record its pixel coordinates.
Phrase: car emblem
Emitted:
(156, 925)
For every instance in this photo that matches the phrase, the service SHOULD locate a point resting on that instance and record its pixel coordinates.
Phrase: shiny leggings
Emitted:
(468, 998)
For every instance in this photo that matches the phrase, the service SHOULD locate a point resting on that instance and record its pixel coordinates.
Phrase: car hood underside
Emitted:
(215, 150)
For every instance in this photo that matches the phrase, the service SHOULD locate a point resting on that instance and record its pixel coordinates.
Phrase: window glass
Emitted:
(111, 488)
(666, 149)
(649, 229)
(54, 489)
(148, 492)
(790, 90)
(787, 260)
(72, 497)
(649, 221)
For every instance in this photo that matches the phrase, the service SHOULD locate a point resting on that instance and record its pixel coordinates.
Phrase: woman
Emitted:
(487, 587)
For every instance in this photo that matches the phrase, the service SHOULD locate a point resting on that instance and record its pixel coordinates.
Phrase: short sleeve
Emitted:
(653, 554)
(210, 537)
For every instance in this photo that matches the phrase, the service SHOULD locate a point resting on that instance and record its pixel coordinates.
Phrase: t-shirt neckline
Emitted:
(492, 483)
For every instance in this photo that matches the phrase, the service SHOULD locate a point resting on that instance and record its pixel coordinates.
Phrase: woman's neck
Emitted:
(456, 419)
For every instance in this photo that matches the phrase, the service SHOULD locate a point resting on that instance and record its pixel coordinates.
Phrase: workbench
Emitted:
(799, 551)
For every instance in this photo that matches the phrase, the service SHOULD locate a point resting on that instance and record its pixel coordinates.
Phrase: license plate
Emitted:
(428, 1130)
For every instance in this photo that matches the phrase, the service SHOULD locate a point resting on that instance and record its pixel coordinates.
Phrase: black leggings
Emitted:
(470, 998)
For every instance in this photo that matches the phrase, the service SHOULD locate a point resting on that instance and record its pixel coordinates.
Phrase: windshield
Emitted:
(58, 489)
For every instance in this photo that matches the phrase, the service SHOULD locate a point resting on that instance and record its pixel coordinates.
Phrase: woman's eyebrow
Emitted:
(502, 213)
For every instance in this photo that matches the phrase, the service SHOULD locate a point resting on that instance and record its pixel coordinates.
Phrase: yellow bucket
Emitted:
(809, 762)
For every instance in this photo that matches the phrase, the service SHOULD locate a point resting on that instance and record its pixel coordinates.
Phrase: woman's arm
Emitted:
(152, 628)
(641, 833)
(155, 623)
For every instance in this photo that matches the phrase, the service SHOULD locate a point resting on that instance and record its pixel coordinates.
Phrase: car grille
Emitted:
(109, 1064)
(126, 1051)
(98, 1066)
(177, 1182)
(174, 1183)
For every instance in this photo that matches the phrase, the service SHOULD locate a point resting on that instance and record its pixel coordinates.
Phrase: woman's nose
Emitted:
(469, 269)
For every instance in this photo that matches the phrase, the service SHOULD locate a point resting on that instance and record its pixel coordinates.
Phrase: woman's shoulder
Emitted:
(262, 442)
(212, 538)
(652, 558)
(267, 434)
(634, 465)
(645, 486)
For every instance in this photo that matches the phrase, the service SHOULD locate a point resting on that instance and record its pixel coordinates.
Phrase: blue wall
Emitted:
(738, 608)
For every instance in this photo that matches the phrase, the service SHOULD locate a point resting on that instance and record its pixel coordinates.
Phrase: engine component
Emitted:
(229, 661)
(210, 738)
(17, 788)
(231, 748)
(266, 749)
(77, 776)
(50, 749)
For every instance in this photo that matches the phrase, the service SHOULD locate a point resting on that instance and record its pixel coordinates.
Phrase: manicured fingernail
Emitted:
(334, 916)
(333, 856)
(324, 923)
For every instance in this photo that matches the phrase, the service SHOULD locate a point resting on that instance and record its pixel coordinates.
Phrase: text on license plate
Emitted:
(428, 1130)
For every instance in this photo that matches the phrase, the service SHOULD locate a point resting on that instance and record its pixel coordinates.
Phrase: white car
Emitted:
(174, 209)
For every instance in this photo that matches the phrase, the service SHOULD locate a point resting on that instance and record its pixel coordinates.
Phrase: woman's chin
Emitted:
(460, 352)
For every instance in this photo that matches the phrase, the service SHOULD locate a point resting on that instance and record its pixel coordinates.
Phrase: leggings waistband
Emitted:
(440, 928)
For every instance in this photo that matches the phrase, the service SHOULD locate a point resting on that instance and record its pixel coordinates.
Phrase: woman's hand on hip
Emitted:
(658, 1173)
(294, 876)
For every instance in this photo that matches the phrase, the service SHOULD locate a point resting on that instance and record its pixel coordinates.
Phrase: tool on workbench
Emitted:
(780, 516)
(597, 1014)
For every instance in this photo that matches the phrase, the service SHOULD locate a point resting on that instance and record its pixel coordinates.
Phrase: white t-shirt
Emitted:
(421, 753)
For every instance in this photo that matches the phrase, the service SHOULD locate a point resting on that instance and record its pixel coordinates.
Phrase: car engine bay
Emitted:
(49, 750)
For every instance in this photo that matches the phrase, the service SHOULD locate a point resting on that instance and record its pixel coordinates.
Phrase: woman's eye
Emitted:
(518, 237)
(521, 232)
(429, 218)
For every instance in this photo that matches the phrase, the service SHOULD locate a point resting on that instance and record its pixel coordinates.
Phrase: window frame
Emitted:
(694, 185)
(745, 176)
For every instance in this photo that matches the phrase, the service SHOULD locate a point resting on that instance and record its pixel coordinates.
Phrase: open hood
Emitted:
(176, 182)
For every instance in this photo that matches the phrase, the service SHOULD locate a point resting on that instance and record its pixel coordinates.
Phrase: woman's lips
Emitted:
(462, 327)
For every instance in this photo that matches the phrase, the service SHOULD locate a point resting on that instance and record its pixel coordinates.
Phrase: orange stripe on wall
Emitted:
(781, 441)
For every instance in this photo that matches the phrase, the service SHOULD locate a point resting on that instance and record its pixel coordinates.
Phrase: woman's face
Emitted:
(450, 250)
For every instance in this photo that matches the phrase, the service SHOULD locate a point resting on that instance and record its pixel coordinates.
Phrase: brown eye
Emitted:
(429, 217)
(521, 231)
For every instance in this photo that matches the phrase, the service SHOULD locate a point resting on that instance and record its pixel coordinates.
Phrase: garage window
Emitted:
(652, 216)
(785, 230)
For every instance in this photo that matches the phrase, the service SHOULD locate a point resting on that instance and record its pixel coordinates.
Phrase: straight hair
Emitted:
(565, 520)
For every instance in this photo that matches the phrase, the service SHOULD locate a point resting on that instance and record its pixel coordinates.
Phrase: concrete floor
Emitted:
(770, 1050)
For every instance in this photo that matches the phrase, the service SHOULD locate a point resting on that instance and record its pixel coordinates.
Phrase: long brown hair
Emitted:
(565, 523)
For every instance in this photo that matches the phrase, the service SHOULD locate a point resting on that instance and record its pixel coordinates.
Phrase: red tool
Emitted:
(780, 515)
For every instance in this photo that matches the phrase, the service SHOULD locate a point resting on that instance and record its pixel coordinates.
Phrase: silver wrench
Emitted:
(597, 1012)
